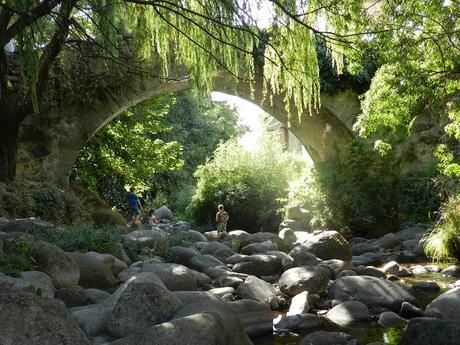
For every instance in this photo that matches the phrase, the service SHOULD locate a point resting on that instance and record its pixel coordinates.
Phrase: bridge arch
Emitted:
(50, 142)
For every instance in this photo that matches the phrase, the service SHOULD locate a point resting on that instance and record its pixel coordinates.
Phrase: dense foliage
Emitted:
(365, 193)
(23, 199)
(198, 126)
(83, 238)
(251, 185)
(127, 151)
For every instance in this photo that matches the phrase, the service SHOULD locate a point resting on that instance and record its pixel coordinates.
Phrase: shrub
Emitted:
(443, 242)
(83, 238)
(16, 256)
(45, 200)
(251, 185)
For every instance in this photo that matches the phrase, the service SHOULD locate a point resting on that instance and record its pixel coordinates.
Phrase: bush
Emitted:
(443, 243)
(363, 192)
(45, 200)
(16, 256)
(83, 238)
(252, 186)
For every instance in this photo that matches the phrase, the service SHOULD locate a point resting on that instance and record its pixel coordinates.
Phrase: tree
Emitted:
(204, 37)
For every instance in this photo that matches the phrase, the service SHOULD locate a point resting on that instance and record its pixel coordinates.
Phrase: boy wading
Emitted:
(221, 220)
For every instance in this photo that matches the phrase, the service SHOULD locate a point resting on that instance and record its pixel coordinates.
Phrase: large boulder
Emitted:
(259, 265)
(41, 282)
(28, 319)
(446, 305)
(142, 304)
(92, 319)
(328, 338)
(203, 262)
(26, 225)
(372, 291)
(299, 322)
(349, 312)
(195, 324)
(306, 278)
(288, 235)
(328, 245)
(177, 277)
(429, 331)
(388, 241)
(256, 289)
(302, 257)
(299, 304)
(93, 272)
(145, 238)
(57, 264)
(163, 212)
(238, 235)
(72, 297)
(211, 247)
(114, 264)
(182, 255)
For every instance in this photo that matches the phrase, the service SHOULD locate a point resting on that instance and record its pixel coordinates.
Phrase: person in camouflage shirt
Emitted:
(221, 220)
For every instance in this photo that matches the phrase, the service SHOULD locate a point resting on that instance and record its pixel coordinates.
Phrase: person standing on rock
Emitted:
(134, 206)
(221, 220)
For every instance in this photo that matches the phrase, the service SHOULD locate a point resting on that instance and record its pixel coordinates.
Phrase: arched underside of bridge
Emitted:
(51, 141)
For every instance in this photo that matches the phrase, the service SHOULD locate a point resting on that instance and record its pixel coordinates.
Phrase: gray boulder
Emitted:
(446, 305)
(393, 268)
(388, 319)
(142, 304)
(302, 257)
(211, 247)
(328, 338)
(255, 317)
(57, 264)
(163, 212)
(363, 247)
(429, 331)
(254, 248)
(307, 278)
(372, 291)
(176, 277)
(26, 225)
(92, 319)
(182, 255)
(256, 289)
(28, 319)
(288, 235)
(72, 297)
(349, 312)
(41, 282)
(388, 241)
(299, 304)
(299, 322)
(238, 235)
(145, 238)
(95, 296)
(196, 236)
(259, 265)
(328, 245)
(93, 272)
(203, 262)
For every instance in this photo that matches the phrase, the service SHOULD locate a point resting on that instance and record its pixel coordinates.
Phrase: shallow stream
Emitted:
(366, 333)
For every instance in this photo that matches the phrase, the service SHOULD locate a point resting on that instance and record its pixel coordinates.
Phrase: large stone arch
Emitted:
(50, 142)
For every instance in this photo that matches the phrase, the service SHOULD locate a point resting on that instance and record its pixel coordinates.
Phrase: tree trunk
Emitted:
(8, 149)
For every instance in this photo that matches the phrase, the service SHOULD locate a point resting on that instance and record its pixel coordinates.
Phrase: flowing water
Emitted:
(366, 333)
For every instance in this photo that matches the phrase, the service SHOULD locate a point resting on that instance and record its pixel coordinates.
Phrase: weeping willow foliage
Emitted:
(208, 37)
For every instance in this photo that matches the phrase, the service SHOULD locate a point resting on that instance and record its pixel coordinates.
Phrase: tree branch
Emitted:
(26, 19)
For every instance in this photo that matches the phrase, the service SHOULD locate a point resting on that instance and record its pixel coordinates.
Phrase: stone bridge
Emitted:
(96, 92)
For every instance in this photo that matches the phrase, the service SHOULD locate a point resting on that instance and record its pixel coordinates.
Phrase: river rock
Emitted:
(393, 268)
(163, 213)
(228, 281)
(429, 331)
(372, 291)
(57, 264)
(93, 272)
(446, 305)
(141, 305)
(203, 262)
(302, 257)
(259, 265)
(28, 319)
(190, 297)
(256, 289)
(72, 297)
(96, 296)
(92, 319)
(26, 225)
(288, 235)
(299, 322)
(287, 262)
(211, 247)
(429, 287)
(328, 338)
(177, 277)
(145, 238)
(260, 237)
(254, 248)
(307, 278)
(409, 310)
(299, 304)
(349, 312)
(41, 282)
(388, 241)
(256, 317)
(388, 319)
(369, 271)
(451, 271)
(238, 235)
(182, 255)
(196, 236)
(235, 259)
(364, 247)
(328, 245)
